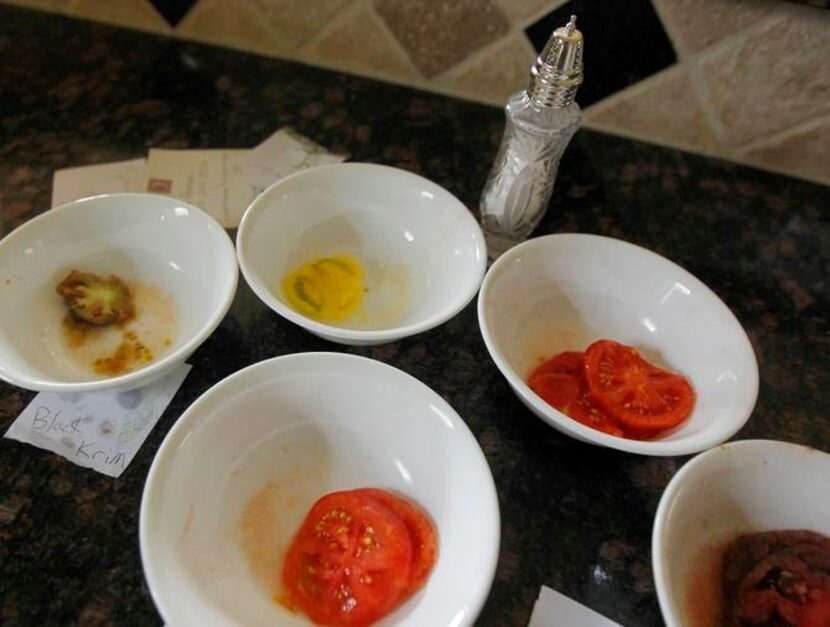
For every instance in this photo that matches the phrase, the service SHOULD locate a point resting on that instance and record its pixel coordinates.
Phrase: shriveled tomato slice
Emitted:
(421, 533)
(350, 562)
(570, 395)
(815, 615)
(637, 393)
(816, 612)
(758, 606)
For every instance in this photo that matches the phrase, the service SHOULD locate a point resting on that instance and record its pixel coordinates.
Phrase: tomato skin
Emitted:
(421, 533)
(641, 434)
(611, 388)
(569, 362)
(560, 382)
(350, 562)
(559, 390)
(637, 393)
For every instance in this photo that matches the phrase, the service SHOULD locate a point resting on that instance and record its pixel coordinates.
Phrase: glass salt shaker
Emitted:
(540, 123)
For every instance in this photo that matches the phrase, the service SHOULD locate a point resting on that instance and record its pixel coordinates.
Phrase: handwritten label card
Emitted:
(283, 153)
(101, 430)
(103, 178)
(554, 609)
(204, 178)
(223, 182)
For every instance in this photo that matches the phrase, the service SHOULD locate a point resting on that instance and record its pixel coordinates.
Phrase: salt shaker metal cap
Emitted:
(557, 73)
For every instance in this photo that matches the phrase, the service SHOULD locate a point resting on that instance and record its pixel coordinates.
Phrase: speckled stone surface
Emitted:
(575, 517)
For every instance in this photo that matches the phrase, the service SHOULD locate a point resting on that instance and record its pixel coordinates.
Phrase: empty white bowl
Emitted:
(301, 426)
(423, 252)
(562, 292)
(740, 487)
(149, 238)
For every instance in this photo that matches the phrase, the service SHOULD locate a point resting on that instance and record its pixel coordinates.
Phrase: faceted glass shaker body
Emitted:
(521, 181)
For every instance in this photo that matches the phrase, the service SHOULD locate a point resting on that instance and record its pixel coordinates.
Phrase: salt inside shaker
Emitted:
(540, 122)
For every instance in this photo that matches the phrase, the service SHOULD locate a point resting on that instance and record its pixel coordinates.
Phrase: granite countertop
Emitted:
(574, 517)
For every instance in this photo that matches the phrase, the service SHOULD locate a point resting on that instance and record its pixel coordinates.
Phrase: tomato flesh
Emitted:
(560, 382)
(611, 388)
(569, 362)
(421, 533)
(637, 393)
(350, 562)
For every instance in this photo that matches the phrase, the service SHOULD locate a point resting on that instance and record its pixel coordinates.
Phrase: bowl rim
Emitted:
(555, 417)
(142, 376)
(358, 335)
(189, 419)
(678, 482)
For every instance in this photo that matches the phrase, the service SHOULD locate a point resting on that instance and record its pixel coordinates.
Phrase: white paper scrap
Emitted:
(100, 430)
(283, 153)
(554, 609)
(205, 178)
(104, 178)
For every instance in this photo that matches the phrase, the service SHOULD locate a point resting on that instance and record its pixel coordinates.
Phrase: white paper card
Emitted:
(205, 178)
(554, 609)
(283, 153)
(104, 178)
(100, 430)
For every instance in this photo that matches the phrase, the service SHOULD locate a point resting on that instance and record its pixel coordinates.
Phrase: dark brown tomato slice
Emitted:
(570, 395)
(756, 607)
(635, 392)
(816, 613)
(421, 533)
(350, 562)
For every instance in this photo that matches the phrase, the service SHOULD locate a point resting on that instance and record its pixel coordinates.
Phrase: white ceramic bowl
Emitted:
(562, 292)
(305, 425)
(140, 237)
(740, 487)
(423, 252)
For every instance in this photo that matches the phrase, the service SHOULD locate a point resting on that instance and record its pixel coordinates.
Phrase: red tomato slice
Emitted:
(569, 362)
(570, 395)
(350, 562)
(641, 434)
(638, 394)
(562, 391)
(421, 533)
